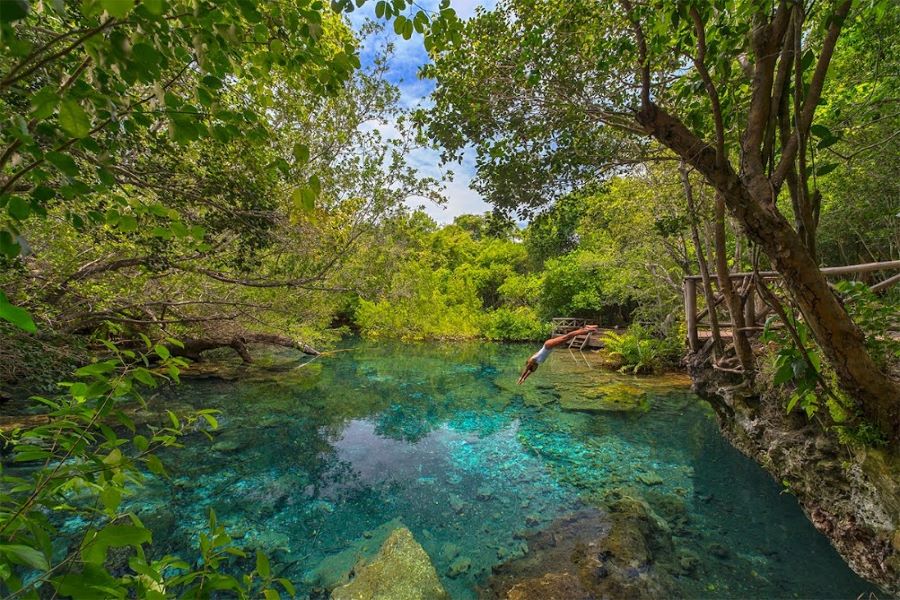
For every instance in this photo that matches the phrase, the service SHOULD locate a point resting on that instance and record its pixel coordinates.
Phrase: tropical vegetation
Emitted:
(183, 176)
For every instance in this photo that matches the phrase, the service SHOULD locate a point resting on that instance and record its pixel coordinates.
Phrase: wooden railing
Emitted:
(563, 325)
(698, 321)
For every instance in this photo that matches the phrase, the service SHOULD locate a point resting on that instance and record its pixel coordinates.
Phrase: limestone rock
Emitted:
(336, 569)
(459, 566)
(552, 586)
(615, 397)
(400, 571)
(626, 553)
(855, 503)
(650, 479)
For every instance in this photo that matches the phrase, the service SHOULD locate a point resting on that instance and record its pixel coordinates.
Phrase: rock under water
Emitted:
(626, 552)
(401, 570)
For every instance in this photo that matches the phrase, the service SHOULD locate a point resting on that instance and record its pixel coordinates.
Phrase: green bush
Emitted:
(640, 352)
(513, 324)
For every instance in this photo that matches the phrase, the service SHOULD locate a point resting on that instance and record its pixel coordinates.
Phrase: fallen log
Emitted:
(193, 347)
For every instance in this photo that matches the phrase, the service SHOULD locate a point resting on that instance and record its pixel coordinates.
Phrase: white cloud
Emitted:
(408, 57)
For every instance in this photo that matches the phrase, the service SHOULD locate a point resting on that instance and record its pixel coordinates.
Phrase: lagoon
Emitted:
(315, 461)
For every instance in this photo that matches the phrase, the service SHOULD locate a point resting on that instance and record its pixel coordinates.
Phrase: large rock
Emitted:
(400, 571)
(337, 569)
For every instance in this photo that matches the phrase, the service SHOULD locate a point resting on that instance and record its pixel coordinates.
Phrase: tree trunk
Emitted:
(701, 261)
(750, 200)
(732, 300)
(193, 347)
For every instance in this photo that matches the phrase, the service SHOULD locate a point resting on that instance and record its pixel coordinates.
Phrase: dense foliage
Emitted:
(777, 112)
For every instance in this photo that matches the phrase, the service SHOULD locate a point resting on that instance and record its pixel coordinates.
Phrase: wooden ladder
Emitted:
(580, 341)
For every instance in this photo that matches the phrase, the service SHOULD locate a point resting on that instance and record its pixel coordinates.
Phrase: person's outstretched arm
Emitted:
(558, 341)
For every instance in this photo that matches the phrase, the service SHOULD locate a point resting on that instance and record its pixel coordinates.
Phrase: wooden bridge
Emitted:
(755, 311)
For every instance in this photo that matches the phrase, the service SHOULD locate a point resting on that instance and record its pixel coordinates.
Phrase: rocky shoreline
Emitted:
(851, 495)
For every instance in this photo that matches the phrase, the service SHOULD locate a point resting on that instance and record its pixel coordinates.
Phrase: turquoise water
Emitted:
(311, 460)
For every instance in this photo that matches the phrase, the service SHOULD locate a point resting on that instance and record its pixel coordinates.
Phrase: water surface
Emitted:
(311, 460)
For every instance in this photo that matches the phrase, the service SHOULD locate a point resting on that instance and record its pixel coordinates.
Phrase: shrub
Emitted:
(638, 351)
(513, 324)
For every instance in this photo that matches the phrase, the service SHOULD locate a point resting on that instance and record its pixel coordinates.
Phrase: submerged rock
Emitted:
(615, 396)
(336, 569)
(230, 445)
(457, 504)
(650, 479)
(449, 551)
(484, 492)
(552, 586)
(626, 553)
(459, 566)
(401, 570)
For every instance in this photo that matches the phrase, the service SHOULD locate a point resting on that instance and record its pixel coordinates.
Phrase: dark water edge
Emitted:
(311, 460)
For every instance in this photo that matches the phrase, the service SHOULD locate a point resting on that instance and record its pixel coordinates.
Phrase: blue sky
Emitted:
(408, 56)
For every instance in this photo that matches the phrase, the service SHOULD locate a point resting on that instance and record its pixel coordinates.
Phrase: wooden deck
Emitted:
(590, 341)
(754, 309)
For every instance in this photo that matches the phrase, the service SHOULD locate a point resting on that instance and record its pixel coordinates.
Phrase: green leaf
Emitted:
(44, 102)
(288, 586)
(111, 498)
(73, 119)
(18, 208)
(262, 565)
(271, 595)
(213, 423)
(820, 131)
(154, 7)
(301, 153)
(63, 162)
(9, 247)
(25, 555)
(399, 24)
(315, 185)
(113, 536)
(161, 351)
(155, 465)
(15, 315)
(117, 8)
(13, 10)
(140, 442)
(783, 374)
(304, 199)
(826, 168)
(127, 223)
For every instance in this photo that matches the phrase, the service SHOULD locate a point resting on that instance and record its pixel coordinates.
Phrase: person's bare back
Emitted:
(538, 358)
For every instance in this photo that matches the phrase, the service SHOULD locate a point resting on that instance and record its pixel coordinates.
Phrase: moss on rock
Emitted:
(401, 570)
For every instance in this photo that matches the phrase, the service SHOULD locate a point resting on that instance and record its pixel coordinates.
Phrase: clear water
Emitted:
(310, 459)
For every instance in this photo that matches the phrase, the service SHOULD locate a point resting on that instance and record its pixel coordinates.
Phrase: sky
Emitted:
(408, 56)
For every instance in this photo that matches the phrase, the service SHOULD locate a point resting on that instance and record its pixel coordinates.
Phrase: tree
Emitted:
(712, 83)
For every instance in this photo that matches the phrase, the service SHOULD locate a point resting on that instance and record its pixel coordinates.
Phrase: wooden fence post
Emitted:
(690, 311)
(750, 308)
